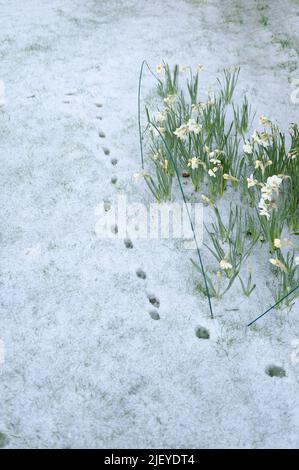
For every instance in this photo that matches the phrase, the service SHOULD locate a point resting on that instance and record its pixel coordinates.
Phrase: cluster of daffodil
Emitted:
(230, 248)
(207, 142)
(273, 190)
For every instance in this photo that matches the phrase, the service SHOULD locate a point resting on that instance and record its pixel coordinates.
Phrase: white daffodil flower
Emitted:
(224, 264)
(193, 163)
(247, 147)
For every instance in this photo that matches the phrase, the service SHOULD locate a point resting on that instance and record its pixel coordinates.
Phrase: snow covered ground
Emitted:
(85, 364)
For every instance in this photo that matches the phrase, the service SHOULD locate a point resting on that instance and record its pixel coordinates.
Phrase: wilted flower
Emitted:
(183, 68)
(293, 154)
(278, 243)
(142, 174)
(278, 264)
(170, 99)
(195, 107)
(156, 130)
(161, 117)
(200, 68)
(165, 165)
(159, 68)
(285, 243)
(262, 166)
(264, 121)
(261, 138)
(207, 200)
(157, 155)
(230, 177)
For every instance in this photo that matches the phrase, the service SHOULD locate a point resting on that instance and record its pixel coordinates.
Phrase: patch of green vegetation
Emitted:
(3, 440)
(284, 42)
(235, 16)
(36, 47)
(290, 66)
(275, 371)
(264, 20)
(198, 2)
(262, 6)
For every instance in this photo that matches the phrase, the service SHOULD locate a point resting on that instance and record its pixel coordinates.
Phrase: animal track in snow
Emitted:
(275, 371)
(140, 273)
(99, 105)
(114, 229)
(128, 243)
(113, 179)
(106, 151)
(154, 315)
(113, 161)
(202, 333)
(102, 134)
(153, 300)
(107, 206)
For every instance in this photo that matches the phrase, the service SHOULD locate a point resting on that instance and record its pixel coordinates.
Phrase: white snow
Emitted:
(85, 363)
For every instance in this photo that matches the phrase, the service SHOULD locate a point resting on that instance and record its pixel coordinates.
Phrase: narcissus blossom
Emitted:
(251, 182)
(142, 174)
(264, 121)
(285, 243)
(211, 173)
(224, 264)
(278, 243)
(278, 264)
(193, 126)
(261, 138)
(184, 130)
(194, 162)
(170, 99)
(207, 200)
(161, 117)
(247, 147)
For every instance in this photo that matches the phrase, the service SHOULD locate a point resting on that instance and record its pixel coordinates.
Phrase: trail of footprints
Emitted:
(201, 332)
(140, 273)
